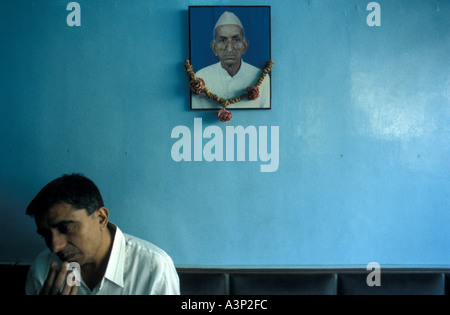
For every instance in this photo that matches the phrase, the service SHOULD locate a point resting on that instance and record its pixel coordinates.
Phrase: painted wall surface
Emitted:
(363, 115)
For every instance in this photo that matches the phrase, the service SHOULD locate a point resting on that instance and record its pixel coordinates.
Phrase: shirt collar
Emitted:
(225, 72)
(116, 264)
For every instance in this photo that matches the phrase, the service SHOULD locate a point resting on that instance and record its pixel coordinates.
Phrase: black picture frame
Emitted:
(256, 23)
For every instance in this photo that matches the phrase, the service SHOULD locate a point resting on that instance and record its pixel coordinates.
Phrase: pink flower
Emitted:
(197, 85)
(252, 93)
(224, 115)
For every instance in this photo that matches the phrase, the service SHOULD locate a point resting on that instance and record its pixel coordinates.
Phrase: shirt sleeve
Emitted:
(37, 274)
(265, 97)
(166, 279)
(32, 284)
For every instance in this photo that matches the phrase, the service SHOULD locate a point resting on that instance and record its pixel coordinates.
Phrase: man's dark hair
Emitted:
(75, 189)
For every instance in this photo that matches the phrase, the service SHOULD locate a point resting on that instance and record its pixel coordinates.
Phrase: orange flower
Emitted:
(224, 115)
(252, 92)
(197, 85)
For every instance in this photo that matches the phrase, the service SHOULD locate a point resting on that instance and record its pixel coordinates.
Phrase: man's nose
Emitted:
(229, 46)
(57, 242)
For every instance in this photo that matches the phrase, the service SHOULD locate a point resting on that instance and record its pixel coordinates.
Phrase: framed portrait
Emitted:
(229, 47)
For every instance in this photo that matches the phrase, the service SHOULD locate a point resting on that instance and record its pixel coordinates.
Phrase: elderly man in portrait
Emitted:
(231, 76)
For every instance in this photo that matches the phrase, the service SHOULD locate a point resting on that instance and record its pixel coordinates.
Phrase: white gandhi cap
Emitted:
(228, 18)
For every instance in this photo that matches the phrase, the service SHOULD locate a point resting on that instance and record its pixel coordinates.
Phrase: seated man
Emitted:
(71, 217)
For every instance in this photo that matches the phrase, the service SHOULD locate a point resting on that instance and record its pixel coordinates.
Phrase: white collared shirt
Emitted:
(135, 267)
(219, 82)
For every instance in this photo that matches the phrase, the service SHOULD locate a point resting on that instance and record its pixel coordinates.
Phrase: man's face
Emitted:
(71, 234)
(229, 44)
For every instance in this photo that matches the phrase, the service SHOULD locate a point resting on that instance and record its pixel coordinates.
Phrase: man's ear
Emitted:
(246, 43)
(102, 216)
(213, 47)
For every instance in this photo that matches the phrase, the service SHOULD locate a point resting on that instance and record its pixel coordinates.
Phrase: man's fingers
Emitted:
(60, 279)
(68, 288)
(50, 279)
(74, 290)
(57, 279)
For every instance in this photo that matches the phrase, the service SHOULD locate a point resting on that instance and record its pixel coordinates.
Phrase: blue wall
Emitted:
(363, 115)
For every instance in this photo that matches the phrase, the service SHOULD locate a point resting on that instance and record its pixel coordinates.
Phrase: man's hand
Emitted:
(56, 279)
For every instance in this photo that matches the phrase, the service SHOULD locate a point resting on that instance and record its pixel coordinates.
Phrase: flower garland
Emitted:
(198, 86)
